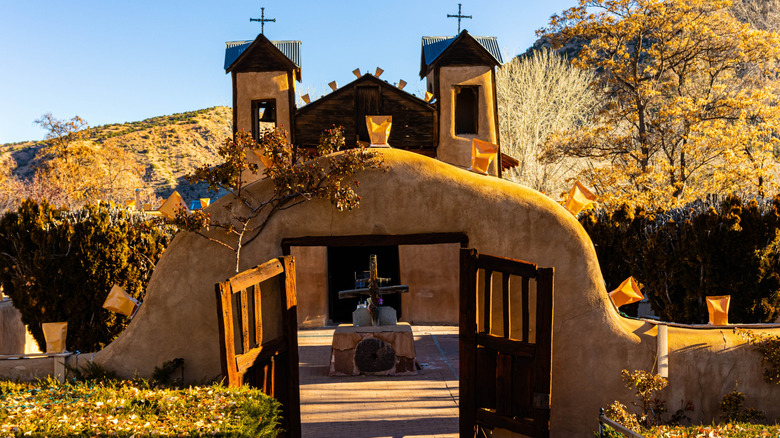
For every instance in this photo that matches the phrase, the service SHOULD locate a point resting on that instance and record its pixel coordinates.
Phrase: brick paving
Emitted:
(425, 405)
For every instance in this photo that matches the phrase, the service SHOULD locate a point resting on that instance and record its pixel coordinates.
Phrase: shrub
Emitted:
(682, 255)
(58, 265)
(134, 409)
(769, 347)
(732, 409)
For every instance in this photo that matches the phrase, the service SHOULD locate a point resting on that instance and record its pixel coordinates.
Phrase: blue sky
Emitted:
(114, 61)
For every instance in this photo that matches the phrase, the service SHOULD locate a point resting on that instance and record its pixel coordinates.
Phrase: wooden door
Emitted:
(367, 103)
(504, 370)
(253, 353)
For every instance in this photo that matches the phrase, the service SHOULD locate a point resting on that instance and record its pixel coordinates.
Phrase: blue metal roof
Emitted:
(433, 46)
(291, 49)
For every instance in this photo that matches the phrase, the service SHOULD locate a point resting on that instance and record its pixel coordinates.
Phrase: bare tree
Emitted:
(539, 95)
(761, 14)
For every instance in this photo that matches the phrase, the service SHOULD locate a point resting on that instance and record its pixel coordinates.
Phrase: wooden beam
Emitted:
(487, 294)
(261, 354)
(226, 338)
(508, 266)
(526, 304)
(507, 314)
(258, 274)
(377, 240)
(518, 425)
(289, 297)
(467, 341)
(504, 345)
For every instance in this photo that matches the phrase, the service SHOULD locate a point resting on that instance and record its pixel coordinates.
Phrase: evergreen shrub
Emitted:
(59, 265)
(680, 256)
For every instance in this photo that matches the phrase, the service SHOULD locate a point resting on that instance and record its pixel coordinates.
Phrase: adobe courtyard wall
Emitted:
(14, 336)
(591, 342)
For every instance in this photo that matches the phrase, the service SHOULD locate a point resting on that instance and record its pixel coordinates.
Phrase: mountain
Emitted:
(166, 147)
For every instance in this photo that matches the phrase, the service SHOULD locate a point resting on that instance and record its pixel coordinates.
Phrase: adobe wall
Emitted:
(426, 269)
(259, 86)
(456, 148)
(591, 342)
(14, 337)
(311, 277)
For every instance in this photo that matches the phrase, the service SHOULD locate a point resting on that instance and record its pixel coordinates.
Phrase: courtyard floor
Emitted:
(425, 405)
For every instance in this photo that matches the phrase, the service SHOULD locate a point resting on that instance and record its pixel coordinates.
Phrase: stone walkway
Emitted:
(425, 405)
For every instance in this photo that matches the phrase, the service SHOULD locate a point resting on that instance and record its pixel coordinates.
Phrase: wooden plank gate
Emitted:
(504, 370)
(265, 359)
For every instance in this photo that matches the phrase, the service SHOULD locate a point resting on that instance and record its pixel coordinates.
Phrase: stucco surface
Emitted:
(311, 264)
(261, 86)
(431, 271)
(14, 337)
(456, 148)
(591, 342)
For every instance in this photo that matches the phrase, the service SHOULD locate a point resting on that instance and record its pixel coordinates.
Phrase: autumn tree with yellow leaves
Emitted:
(690, 99)
(78, 170)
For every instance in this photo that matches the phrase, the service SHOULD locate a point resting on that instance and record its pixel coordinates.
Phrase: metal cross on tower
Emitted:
(263, 20)
(459, 16)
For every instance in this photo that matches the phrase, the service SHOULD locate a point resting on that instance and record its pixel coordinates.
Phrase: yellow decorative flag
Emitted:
(263, 159)
(579, 198)
(55, 334)
(333, 86)
(173, 204)
(718, 308)
(627, 293)
(119, 301)
(205, 202)
(428, 96)
(130, 203)
(483, 154)
(306, 98)
(379, 129)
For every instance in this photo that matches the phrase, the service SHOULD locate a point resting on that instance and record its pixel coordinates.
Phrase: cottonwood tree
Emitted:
(541, 94)
(297, 176)
(683, 114)
(81, 170)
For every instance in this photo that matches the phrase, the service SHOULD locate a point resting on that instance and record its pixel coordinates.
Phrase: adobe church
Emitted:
(460, 105)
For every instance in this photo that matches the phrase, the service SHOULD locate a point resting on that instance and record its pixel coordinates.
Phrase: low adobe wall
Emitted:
(591, 342)
(14, 337)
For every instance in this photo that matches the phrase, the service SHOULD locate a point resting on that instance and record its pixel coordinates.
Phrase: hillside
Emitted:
(166, 147)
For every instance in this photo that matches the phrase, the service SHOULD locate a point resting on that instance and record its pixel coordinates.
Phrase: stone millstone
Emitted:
(374, 355)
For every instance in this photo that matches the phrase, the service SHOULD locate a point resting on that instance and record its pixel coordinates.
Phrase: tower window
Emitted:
(263, 116)
(466, 110)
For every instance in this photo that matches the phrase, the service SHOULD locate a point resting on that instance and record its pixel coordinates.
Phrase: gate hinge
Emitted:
(541, 400)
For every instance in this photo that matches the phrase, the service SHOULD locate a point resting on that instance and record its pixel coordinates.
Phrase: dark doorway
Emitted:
(346, 261)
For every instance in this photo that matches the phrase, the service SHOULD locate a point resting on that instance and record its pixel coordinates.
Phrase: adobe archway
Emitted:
(419, 195)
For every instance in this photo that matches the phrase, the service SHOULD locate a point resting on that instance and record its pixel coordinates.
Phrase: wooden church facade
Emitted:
(461, 105)
(460, 76)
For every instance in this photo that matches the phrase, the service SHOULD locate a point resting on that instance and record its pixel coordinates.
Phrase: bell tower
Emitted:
(264, 73)
(460, 72)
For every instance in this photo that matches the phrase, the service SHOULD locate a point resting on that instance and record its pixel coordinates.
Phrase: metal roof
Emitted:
(290, 49)
(433, 46)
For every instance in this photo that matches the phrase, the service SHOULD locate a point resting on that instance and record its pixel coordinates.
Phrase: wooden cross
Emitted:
(263, 20)
(373, 291)
(459, 16)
